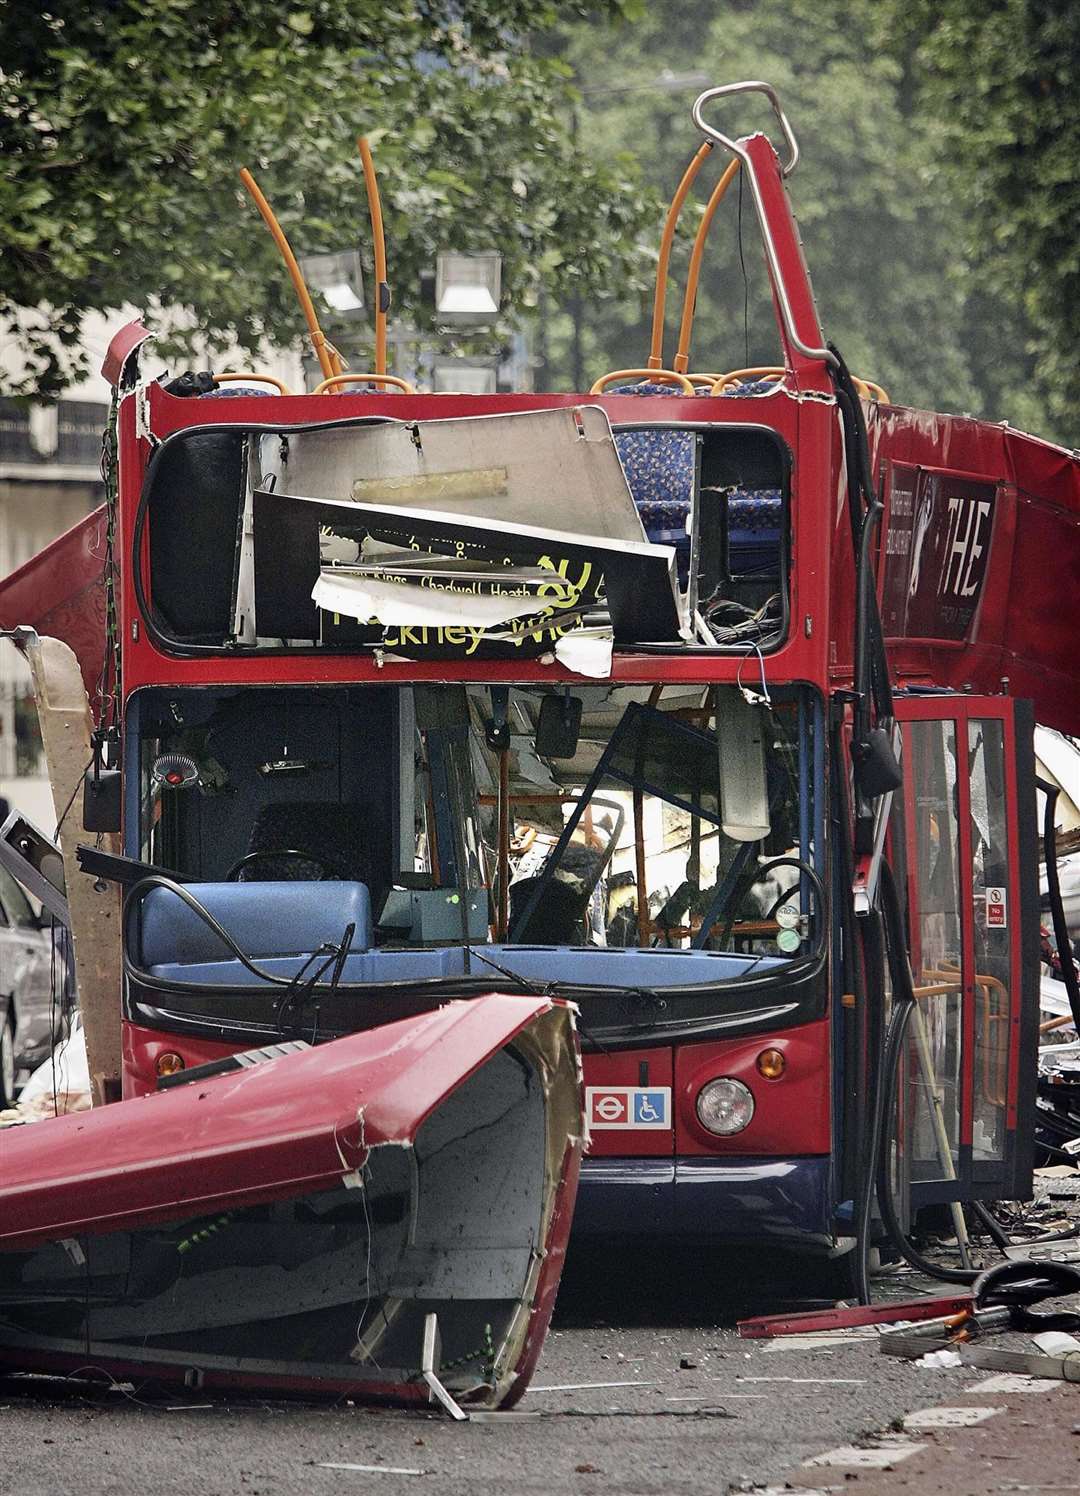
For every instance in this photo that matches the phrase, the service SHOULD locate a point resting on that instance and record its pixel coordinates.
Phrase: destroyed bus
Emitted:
(702, 701)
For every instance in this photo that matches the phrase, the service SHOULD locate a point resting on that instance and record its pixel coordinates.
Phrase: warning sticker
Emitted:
(996, 917)
(620, 1107)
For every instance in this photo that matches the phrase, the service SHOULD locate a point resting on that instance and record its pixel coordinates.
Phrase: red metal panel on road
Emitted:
(294, 1124)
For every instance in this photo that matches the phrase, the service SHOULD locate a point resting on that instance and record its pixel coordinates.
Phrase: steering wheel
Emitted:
(758, 875)
(328, 869)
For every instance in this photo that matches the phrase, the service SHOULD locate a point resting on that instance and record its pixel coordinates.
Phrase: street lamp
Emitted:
(465, 376)
(468, 287)
(338, 278)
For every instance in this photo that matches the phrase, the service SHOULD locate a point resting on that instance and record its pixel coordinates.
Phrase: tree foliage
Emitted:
(1001, 81)
(123, 124)
(891, 223)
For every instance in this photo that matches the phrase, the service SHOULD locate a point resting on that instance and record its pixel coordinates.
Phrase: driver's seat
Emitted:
(307, 840)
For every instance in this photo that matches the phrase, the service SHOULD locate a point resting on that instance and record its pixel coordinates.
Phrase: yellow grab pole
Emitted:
(682, 357)
(382, 288)
(329, 361)
(656, 347)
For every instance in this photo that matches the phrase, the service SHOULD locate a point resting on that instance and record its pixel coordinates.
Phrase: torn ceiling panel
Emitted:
(561, 464)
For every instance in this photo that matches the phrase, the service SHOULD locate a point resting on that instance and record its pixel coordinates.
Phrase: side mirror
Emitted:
(103, 800)
(558, 726)
(876, 769)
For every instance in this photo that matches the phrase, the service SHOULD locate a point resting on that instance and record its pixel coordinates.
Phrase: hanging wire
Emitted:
(745, 277)
(764, 698)
(71, 802)
(107, 693)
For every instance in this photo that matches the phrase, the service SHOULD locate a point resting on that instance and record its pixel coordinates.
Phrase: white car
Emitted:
(32, 986)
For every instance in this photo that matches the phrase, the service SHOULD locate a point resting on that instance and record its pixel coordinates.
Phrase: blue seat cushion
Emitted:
(748, 389)
(264, 919)
(755, 520)
(755, 510)
(659, 468)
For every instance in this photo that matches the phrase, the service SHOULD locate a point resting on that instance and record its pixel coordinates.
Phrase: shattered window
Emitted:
(597, 818)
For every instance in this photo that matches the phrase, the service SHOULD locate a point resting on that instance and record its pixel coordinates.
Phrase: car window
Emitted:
(15, 907)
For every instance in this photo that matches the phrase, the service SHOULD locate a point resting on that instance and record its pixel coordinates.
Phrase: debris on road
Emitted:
(59, 1085)
(371, 1469)
(763, 1326)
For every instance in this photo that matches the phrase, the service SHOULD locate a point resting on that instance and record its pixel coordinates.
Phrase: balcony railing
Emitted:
(68, 435)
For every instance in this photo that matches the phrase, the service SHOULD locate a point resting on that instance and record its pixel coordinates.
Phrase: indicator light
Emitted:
(176, 770)
(169, 1062)
(771, 1063)
(725, 1106)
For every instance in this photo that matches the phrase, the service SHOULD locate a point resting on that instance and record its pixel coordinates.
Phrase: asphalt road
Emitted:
(689, 1406)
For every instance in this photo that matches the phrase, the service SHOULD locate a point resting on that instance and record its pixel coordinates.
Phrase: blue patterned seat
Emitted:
(232, 391)
(746, 389)
(659, 468)
(755, 518)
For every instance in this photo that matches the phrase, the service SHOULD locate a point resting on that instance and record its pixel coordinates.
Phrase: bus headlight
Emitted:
(725, 1106)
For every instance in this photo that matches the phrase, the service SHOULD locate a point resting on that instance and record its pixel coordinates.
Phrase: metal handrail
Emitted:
(279, 384)
(737, 148)
(390, 380)
(646, 376)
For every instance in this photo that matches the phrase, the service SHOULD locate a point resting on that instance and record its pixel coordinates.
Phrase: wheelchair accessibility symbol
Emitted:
(650, 1107)
(612, 1108)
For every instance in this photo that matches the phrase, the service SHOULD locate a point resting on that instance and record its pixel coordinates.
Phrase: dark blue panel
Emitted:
(753, 1199)
(744, 1200)
(265, 919)
(625, 1197)
(360, 966)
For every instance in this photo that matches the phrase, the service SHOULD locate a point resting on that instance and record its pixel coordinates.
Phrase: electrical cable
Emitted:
(71, 801)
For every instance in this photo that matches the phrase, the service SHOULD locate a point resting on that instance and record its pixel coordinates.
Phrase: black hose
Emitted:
(999, 1237)
(1057, 909)
(866, 599)
(157, 880)
(864, 1203)
(886, 1204)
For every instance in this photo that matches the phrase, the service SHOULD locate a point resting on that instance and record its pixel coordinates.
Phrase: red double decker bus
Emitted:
(702, 701)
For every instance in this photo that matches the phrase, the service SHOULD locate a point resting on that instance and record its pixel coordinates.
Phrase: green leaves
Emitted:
(938, 192)
(120, 144)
